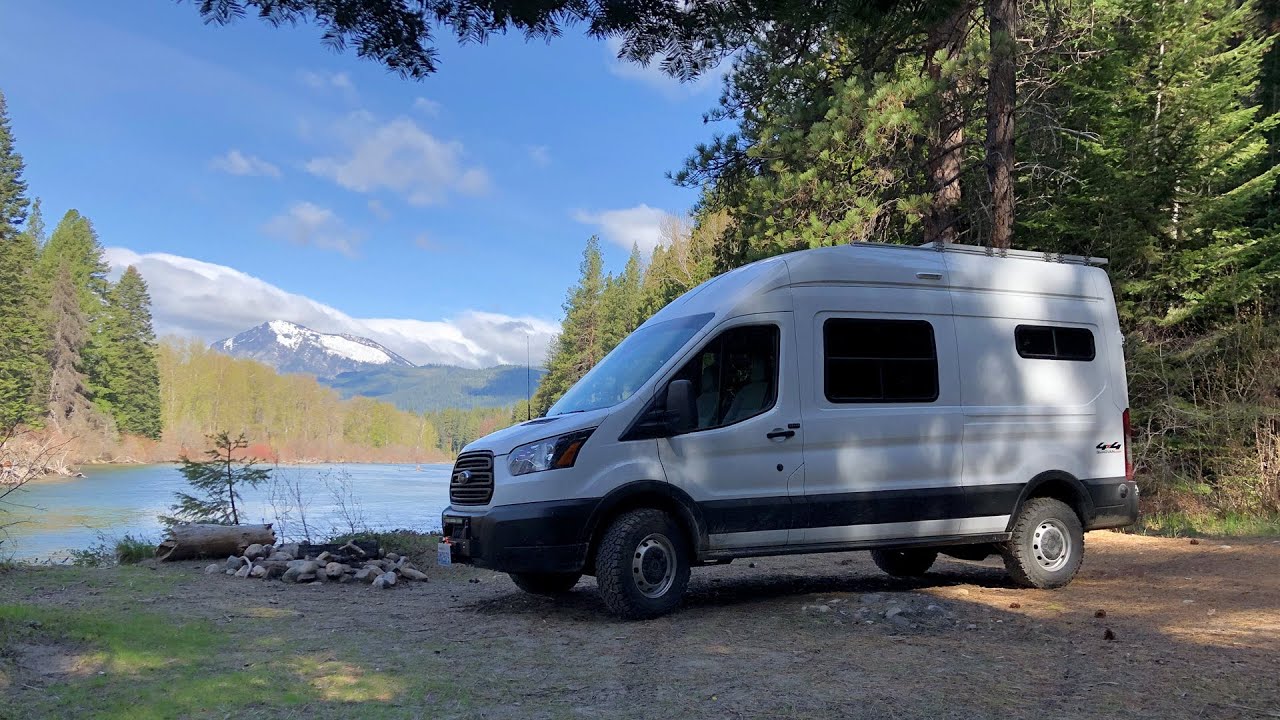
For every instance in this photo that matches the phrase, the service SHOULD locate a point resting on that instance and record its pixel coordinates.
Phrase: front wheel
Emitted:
(545, 583)
(1047, 545)
(642, 565)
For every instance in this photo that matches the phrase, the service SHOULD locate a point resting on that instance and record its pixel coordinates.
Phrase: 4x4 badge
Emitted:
(1113, 447)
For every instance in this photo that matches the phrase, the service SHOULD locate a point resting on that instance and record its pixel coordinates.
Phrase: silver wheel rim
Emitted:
(1051, 544)
(653, 565)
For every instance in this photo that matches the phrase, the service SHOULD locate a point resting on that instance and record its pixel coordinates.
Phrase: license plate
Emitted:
(444, 553)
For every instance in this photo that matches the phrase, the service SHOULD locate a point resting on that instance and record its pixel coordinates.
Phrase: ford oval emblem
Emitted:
(462, 477)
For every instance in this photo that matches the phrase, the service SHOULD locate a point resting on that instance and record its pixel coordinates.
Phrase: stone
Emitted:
(323, 558)
(413, 574)
(393, 557)
(279, 557)
(893, 612)
(346, 578)
(335, 570)
(244, 571)
(258, 571)
(306, 577)
(230, 572)
(213, 569)
(275, 570)
(290, 549)
(900, 621)
(367, 574)
(255, 551)
(387, 579)
(234, 562)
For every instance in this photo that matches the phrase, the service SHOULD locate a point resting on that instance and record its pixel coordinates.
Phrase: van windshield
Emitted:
(629, 365)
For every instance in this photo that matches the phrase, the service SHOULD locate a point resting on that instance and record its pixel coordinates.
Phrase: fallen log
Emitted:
(193, 540)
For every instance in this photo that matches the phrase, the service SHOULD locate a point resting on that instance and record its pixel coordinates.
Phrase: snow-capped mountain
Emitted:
(292, 348)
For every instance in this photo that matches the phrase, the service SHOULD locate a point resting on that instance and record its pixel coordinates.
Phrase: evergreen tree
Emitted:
(74, 245)
(68, 400)
(20, 330)
(580, 344)
(620, 301)
(217, 480)
(131, 387)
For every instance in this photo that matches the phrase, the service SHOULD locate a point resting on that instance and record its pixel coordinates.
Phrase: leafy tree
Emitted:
(581, 343)
(131, 385)
(20, 331)
(217, 481)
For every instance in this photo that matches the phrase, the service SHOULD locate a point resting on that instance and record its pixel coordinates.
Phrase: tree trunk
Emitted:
(193, 540)
(946, 139)
(1001, 94)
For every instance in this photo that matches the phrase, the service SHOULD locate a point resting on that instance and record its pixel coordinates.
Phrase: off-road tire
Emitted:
(545, 583)
(1022, 553)
(615, 575)
(908, 562)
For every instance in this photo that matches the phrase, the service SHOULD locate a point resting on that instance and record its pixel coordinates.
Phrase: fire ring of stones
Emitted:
(355, 562)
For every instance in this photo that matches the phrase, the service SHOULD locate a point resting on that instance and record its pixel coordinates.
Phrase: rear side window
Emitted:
(1048, 342)
(879, 361)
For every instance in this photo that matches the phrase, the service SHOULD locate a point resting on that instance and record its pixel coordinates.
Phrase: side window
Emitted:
(879, 361)
(1049, 342)
(735, 376)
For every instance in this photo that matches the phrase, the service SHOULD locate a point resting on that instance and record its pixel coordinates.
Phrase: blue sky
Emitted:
(251, 173)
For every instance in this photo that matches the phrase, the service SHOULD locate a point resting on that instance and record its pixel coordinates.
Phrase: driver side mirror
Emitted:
(682, 410)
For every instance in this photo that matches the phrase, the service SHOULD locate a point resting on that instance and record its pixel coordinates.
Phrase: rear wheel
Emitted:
(545, 583)
(1047, 545)
(642, 564)
(904, 563)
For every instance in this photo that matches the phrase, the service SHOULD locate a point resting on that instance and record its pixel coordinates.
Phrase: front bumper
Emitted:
(540, 537)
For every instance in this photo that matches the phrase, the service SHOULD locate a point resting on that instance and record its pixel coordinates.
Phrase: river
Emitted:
(58, 514)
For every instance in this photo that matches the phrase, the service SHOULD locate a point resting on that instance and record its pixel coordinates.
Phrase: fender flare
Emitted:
(689, 514)
(1083, 503)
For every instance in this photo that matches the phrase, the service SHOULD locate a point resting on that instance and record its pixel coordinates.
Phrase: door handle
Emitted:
(780, 433)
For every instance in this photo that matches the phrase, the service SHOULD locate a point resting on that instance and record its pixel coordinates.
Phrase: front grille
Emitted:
(472, 479)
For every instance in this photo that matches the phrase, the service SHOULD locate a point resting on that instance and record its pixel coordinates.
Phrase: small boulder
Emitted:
(255, 551)
(393, 557)
(306, 577)
(230, 572)
(244, 571)
(367, 574)
(214, 569)
(335, 570)
(290, 549)
(324, 557)
(413, 574)
(385, 580)
(258, 571)
(234, 562)
(279, 557)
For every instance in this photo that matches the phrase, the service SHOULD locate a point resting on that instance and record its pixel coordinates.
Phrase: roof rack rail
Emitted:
(1053, 257)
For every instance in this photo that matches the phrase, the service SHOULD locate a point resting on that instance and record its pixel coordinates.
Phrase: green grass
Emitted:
(133, 664)
(1177, 524)
(128, 550)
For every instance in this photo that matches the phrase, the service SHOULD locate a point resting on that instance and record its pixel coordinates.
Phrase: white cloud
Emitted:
(336, 82)
(426, 107)
(653, 75)
(640, 225)
(306, 223)
(237, 163)
(379, 210)
(195, 298)
(539, 154)
(401, 157)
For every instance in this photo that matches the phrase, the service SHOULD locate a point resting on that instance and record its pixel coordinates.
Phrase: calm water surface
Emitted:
(58, 514)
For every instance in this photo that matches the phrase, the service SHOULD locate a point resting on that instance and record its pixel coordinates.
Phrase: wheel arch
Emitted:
(1059, 485)
(646, 494)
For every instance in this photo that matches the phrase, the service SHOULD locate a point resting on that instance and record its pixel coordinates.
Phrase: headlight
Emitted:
(549, 454)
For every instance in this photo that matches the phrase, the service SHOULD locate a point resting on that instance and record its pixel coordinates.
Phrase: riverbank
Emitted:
(1151, 628)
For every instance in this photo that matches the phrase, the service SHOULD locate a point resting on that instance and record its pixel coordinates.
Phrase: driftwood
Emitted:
(193, 540)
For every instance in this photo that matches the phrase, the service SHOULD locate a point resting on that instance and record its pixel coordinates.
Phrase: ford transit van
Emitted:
(909, 401)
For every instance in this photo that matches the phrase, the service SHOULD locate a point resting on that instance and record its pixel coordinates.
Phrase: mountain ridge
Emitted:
(292, 348)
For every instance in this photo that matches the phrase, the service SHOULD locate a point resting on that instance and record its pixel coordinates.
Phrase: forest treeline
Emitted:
(77, 351)
(295, 418)
(1146, 132)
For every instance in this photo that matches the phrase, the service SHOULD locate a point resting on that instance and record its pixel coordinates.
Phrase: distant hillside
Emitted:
(436, 387)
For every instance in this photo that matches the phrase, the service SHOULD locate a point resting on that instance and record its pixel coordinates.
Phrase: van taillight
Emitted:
(1128, 447)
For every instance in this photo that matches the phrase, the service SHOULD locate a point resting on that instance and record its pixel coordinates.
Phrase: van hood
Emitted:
(504, 441)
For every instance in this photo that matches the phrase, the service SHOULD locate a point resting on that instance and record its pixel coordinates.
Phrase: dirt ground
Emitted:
(1151, 627)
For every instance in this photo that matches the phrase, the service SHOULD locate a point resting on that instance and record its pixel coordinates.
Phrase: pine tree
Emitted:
(68, 401)
(620, 301)
(20, 361)
(580, 344)
(131, 387)
(218, 481)
(74, 245)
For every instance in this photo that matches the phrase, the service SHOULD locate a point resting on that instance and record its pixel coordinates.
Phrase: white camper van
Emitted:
(905, 400)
